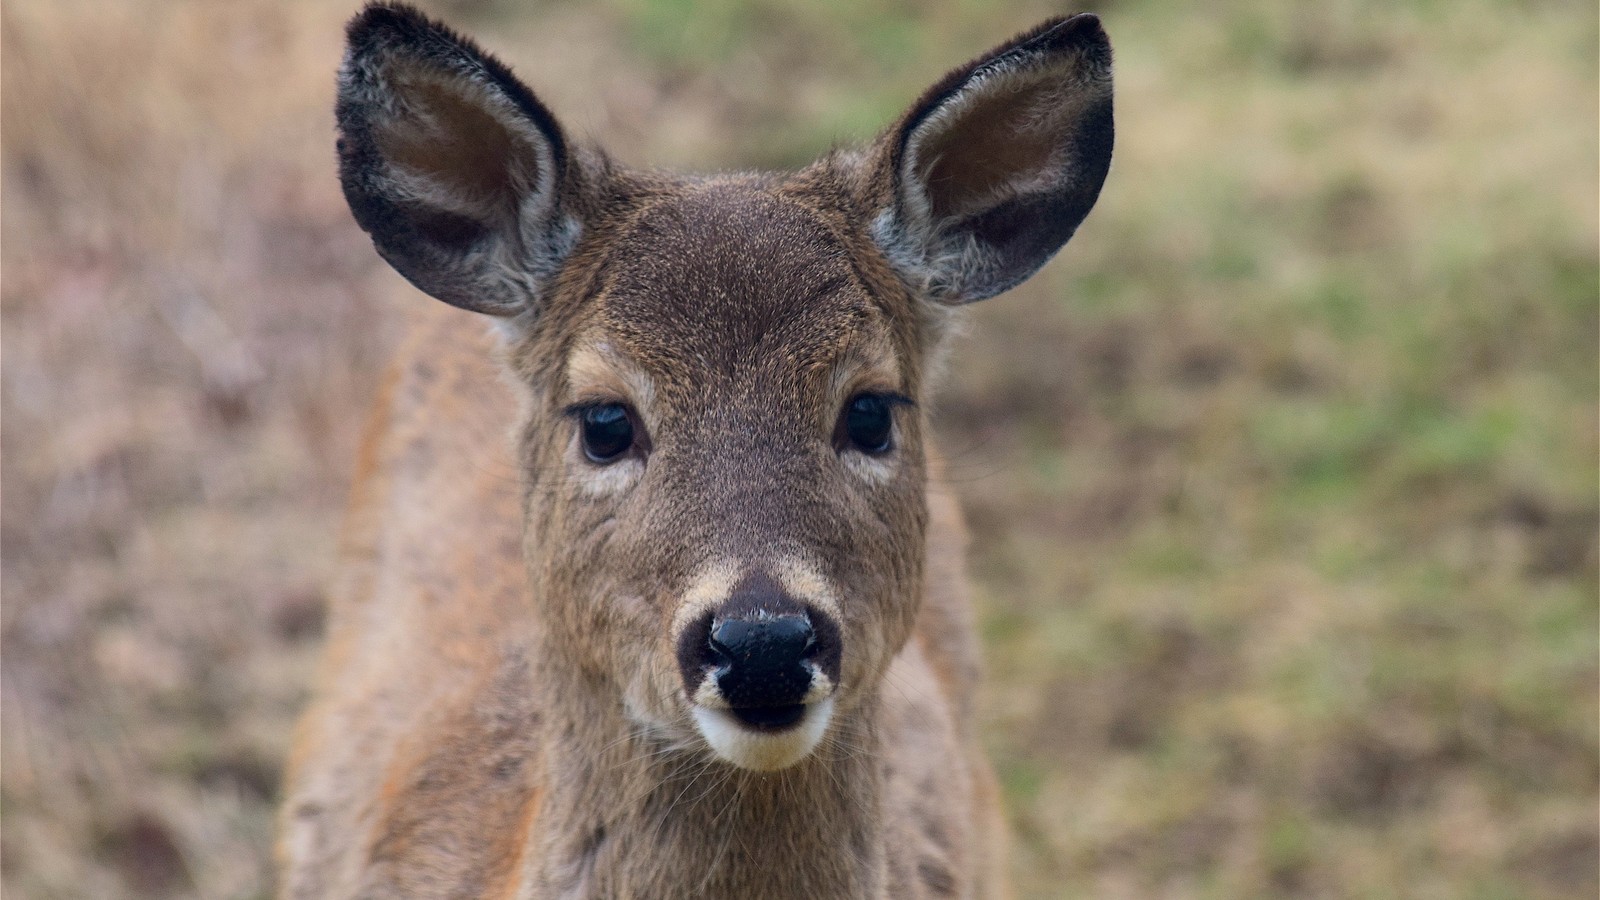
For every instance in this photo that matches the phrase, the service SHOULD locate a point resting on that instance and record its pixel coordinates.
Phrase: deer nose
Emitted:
(760, 660)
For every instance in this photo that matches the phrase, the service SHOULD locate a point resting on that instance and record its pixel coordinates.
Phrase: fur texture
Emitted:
(503, 710)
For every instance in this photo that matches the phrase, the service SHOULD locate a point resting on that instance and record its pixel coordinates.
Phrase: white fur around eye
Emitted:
(601, 480)
(599, 372)
(875, 469)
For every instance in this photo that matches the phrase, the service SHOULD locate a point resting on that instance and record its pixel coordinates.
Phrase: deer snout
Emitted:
(759, 671)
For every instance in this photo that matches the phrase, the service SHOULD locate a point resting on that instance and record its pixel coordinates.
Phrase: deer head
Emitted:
(724, 449)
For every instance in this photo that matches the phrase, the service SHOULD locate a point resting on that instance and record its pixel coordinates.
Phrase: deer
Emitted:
(650, 585)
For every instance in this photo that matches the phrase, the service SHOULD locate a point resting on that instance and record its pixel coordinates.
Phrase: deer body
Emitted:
(647, 594)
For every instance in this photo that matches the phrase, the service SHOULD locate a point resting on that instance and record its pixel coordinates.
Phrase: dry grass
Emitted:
(1283, 481)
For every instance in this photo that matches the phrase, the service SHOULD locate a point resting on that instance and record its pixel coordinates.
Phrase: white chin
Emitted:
(763, 751)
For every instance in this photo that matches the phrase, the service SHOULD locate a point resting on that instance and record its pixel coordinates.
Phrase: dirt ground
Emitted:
(1282, 480)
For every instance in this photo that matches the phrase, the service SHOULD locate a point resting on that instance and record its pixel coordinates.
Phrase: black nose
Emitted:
(760, 658)
(760, 648)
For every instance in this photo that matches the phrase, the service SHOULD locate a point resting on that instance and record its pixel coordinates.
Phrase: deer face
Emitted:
(723, 446)
(735, 468)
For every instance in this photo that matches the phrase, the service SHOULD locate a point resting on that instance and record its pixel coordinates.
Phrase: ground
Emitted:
(1282, 479)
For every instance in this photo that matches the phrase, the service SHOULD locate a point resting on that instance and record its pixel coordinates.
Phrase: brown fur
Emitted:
(501, 713)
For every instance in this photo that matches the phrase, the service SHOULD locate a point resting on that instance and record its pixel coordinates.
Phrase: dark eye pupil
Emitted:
(868, 424)
(607, 432)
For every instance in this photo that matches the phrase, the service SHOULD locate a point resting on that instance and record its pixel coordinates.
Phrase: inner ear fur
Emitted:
(450, 163)
(992, 170)
(456, 151)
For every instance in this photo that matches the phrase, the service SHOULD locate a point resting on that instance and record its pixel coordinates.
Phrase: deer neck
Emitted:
(625, 813)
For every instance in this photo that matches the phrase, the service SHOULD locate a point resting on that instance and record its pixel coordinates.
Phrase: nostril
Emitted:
(695, 653)
(715, 654)
(728, 637)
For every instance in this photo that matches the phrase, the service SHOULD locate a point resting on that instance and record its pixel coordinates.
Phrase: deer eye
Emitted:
(606, 430)
(867, 424)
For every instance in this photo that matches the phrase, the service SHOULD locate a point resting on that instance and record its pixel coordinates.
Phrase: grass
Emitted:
(1283, 480)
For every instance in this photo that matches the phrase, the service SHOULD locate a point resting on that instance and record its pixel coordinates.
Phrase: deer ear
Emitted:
(451, 164)
(992, 170)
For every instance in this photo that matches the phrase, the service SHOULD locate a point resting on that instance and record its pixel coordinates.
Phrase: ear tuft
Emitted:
(450, 163)
(992, 170)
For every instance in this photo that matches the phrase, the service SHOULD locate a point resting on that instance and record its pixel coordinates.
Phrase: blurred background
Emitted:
(1282, 479)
